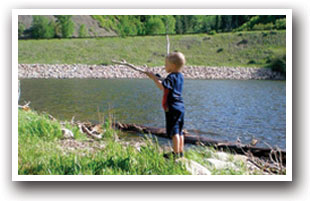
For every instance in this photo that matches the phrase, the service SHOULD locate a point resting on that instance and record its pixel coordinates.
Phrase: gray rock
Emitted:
(67, 133)
(218, 164)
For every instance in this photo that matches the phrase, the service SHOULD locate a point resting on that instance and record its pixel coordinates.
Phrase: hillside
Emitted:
(92, 26)
(254, 48)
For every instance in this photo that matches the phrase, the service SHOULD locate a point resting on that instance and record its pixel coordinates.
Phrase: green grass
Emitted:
(40, 153)
(199, 49)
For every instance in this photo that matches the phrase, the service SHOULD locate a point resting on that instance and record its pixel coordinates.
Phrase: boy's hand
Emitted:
(150, 75)
(155, 79)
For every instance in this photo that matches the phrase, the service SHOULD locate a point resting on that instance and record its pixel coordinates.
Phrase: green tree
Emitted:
(82, 31)
(169, 22)
(203, 23)
(127, 25)
(66, 25)
(178, 24)
(41, 27)
(21, 29)
(260, 21)
(280, 23)
(218, 23)
(155, 26)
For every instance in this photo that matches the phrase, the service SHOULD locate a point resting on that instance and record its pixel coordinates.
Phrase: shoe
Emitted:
(181, 154)
(170, 155)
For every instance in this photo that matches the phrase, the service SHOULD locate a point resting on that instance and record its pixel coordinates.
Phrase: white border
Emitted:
(287, 12)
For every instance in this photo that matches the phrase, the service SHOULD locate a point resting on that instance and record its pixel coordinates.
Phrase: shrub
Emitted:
(212, 32)
(277, 64)
(219, 50)
(280, 23)
(42, 28)
(66, 25)
(21, 29)
(242, 42)
(261, 26)
(106, 21)
(252, 61)
(83, 31)
(264, 34)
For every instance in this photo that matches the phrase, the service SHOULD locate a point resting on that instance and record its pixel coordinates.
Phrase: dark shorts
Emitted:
(174, 122)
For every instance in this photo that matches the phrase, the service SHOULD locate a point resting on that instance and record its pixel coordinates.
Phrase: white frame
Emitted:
(287, 12)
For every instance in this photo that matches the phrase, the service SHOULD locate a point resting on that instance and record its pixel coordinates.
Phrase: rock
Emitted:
(194, 168)
(218, 164)
(67, 133)
(240, 158)
(222, 156)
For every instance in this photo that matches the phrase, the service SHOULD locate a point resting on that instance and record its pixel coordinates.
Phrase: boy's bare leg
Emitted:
(181, 145)
(176, 143)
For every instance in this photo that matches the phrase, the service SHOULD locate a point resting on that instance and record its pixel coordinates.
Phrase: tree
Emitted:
(155, 26)
(82, 31)
(203, 23)
(127, 25)
(21, 29)
(41, 27)
(178, 24)
(226, 23)
(66, 25)
(169, 22)
(218, 23)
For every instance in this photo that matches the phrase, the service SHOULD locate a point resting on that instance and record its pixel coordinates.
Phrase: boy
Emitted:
(172, 101)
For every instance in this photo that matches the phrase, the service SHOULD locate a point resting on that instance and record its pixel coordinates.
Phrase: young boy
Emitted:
(172, 101)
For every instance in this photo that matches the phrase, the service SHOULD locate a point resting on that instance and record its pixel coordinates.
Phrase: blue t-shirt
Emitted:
(174, 82)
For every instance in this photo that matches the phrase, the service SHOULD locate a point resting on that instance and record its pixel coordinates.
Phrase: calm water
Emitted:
(219, 109)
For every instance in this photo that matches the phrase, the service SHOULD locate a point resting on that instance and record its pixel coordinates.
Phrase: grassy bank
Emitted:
(42, 150)
(254, 48)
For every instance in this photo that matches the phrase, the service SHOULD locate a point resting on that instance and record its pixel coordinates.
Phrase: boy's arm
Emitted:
(155, 79)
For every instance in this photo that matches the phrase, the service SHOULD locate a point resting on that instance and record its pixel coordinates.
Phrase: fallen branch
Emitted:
(201, 140)
(271, 165)
(25, 107)
(88, 132)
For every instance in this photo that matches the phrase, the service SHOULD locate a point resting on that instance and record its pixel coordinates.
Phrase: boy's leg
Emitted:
(176, 143)
(181, 146)
(181, 143)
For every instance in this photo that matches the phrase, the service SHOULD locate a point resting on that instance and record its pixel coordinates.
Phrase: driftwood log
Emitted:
(201, 140)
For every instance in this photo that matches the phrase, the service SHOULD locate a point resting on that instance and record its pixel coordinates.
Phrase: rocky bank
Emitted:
(118, 71)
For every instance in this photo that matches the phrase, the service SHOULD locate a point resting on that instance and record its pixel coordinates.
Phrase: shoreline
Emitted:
(85, 141)
(65, 71)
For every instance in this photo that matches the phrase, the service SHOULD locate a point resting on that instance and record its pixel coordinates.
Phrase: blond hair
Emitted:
(176, 58)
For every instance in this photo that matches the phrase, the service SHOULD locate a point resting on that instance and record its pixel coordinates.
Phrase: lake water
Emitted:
(218, 109)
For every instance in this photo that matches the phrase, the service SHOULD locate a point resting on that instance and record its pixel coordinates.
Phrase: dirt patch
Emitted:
(89, 145)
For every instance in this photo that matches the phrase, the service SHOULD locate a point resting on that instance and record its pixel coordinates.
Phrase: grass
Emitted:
(226, 49)
(40, 153)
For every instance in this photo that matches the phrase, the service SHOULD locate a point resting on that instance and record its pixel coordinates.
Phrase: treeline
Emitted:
(133, 25)
(139, 25)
